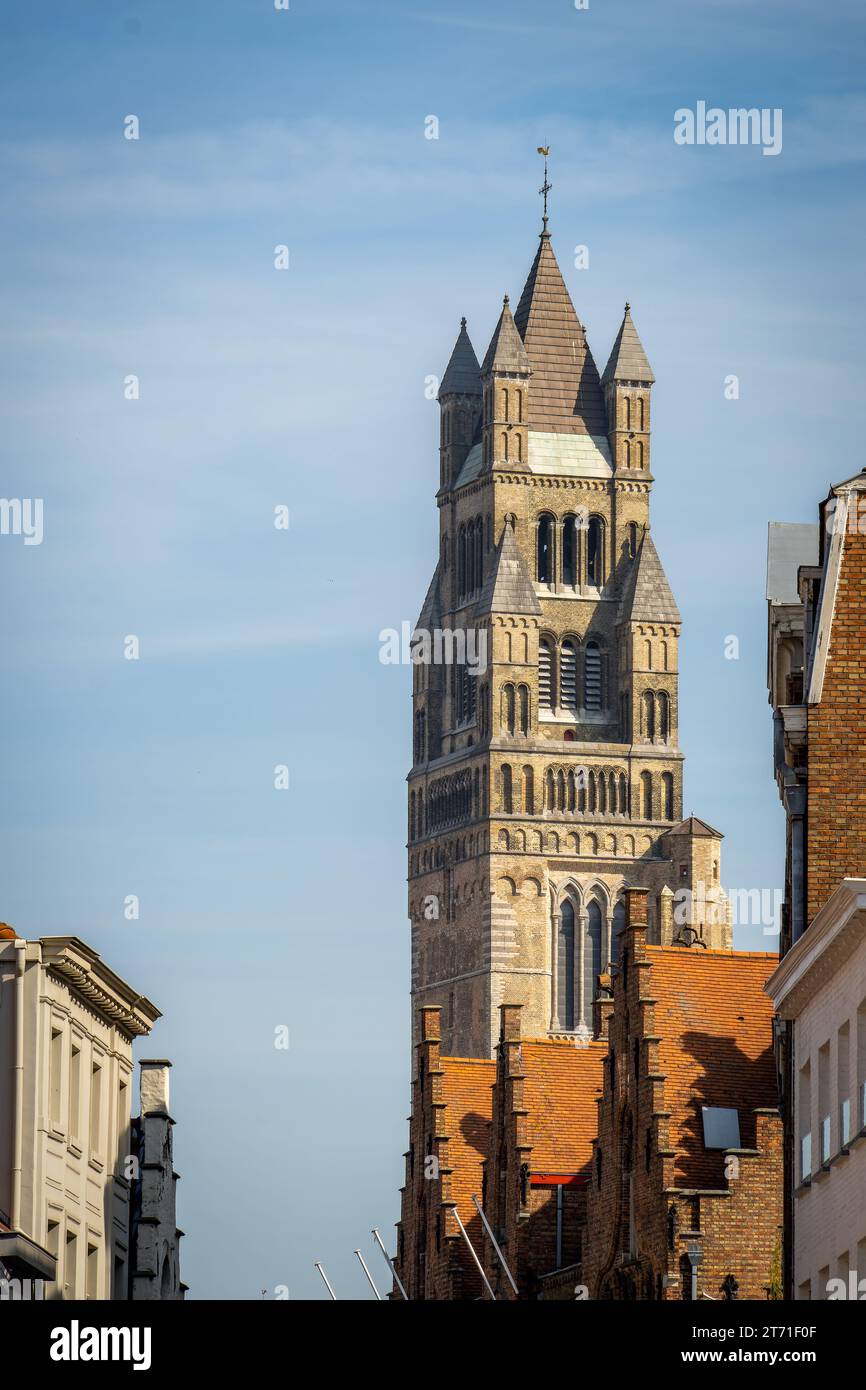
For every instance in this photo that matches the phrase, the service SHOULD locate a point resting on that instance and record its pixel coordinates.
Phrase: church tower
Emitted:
(547, 773)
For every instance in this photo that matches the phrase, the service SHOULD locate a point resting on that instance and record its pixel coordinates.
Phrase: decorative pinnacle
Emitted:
(546, 186)
(504, 300)
(463, 322)
(627, 306)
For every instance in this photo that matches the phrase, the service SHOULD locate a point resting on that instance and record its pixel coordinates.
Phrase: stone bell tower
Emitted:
(547, 773)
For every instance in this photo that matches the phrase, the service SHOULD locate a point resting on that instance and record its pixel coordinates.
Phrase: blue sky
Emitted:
(306, 387)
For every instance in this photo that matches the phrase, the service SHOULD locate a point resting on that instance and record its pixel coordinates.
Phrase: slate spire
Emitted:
(462, 375)
(627, 361)
(506, 352)
(647, 596)
(566, 395)
(508, 588)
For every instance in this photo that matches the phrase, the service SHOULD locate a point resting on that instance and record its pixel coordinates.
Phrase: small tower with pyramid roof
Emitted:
(460, 407)
(505, 374)
(627, 382)
(547, 773)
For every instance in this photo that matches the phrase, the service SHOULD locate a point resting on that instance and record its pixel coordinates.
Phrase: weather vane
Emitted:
(545, 187)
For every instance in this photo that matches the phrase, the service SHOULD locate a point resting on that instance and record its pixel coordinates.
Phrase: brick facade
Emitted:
(687, 1028)
(836, 727)
(538, 1165)
(448, 1128)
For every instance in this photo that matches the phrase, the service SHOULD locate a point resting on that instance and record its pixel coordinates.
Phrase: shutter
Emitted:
(568, 677)
(545, 663)
(592, 677)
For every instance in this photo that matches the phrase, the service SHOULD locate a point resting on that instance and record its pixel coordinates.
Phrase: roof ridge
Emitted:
(713, 953)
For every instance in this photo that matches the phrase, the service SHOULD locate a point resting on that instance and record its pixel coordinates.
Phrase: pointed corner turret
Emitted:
(647, 597)
(506, 352)
(508, 588)
(505, 374)
(627, 361)
(459, 408)
(462, 375)
(627, 381)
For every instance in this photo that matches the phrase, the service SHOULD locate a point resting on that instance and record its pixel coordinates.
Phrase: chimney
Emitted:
(636, 901)
(604, 1004)
(153, 1086)
(509, 1022)
(428, 1060)
(666, 917)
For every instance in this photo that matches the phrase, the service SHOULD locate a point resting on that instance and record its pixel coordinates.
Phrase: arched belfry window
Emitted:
(616, 933)
(469, 570)
(569, 550)
(648, 710)
(523, 708)
(591, 959)
(664, 715)
(507, 789)
(545, 672)
(668, 795)
(568, 675)
(544, 550)
(595, 552)
(592, 677)
(565, 962)
(632, 539)
(508, 708)
(646, 795)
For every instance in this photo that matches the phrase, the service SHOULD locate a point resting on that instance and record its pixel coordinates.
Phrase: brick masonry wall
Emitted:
(523, 1216)
(737, 1228)
(836, 816)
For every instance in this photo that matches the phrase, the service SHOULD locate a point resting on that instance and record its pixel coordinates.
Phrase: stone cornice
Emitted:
(86, 975)
(822, 950)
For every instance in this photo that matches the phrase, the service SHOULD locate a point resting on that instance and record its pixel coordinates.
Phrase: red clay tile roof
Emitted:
(561, 1086)
(715, 1025)
(467, 1089)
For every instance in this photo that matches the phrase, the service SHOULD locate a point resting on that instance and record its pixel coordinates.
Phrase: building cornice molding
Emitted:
(821, 951)
(87, 976)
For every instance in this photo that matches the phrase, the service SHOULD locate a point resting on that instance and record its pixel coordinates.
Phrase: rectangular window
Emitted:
(70, 1266)
(95, 1109)
(721, 1127)
(119, 1290)
(843, 1083)
(75, 1093)
(122, 1123)
(52, 1245)
(824, 1101)
(804, 1120)
(92, 1269)
(55, 1077)
(861, 1063)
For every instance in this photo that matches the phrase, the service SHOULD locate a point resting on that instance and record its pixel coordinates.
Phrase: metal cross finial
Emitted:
(545, 187)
